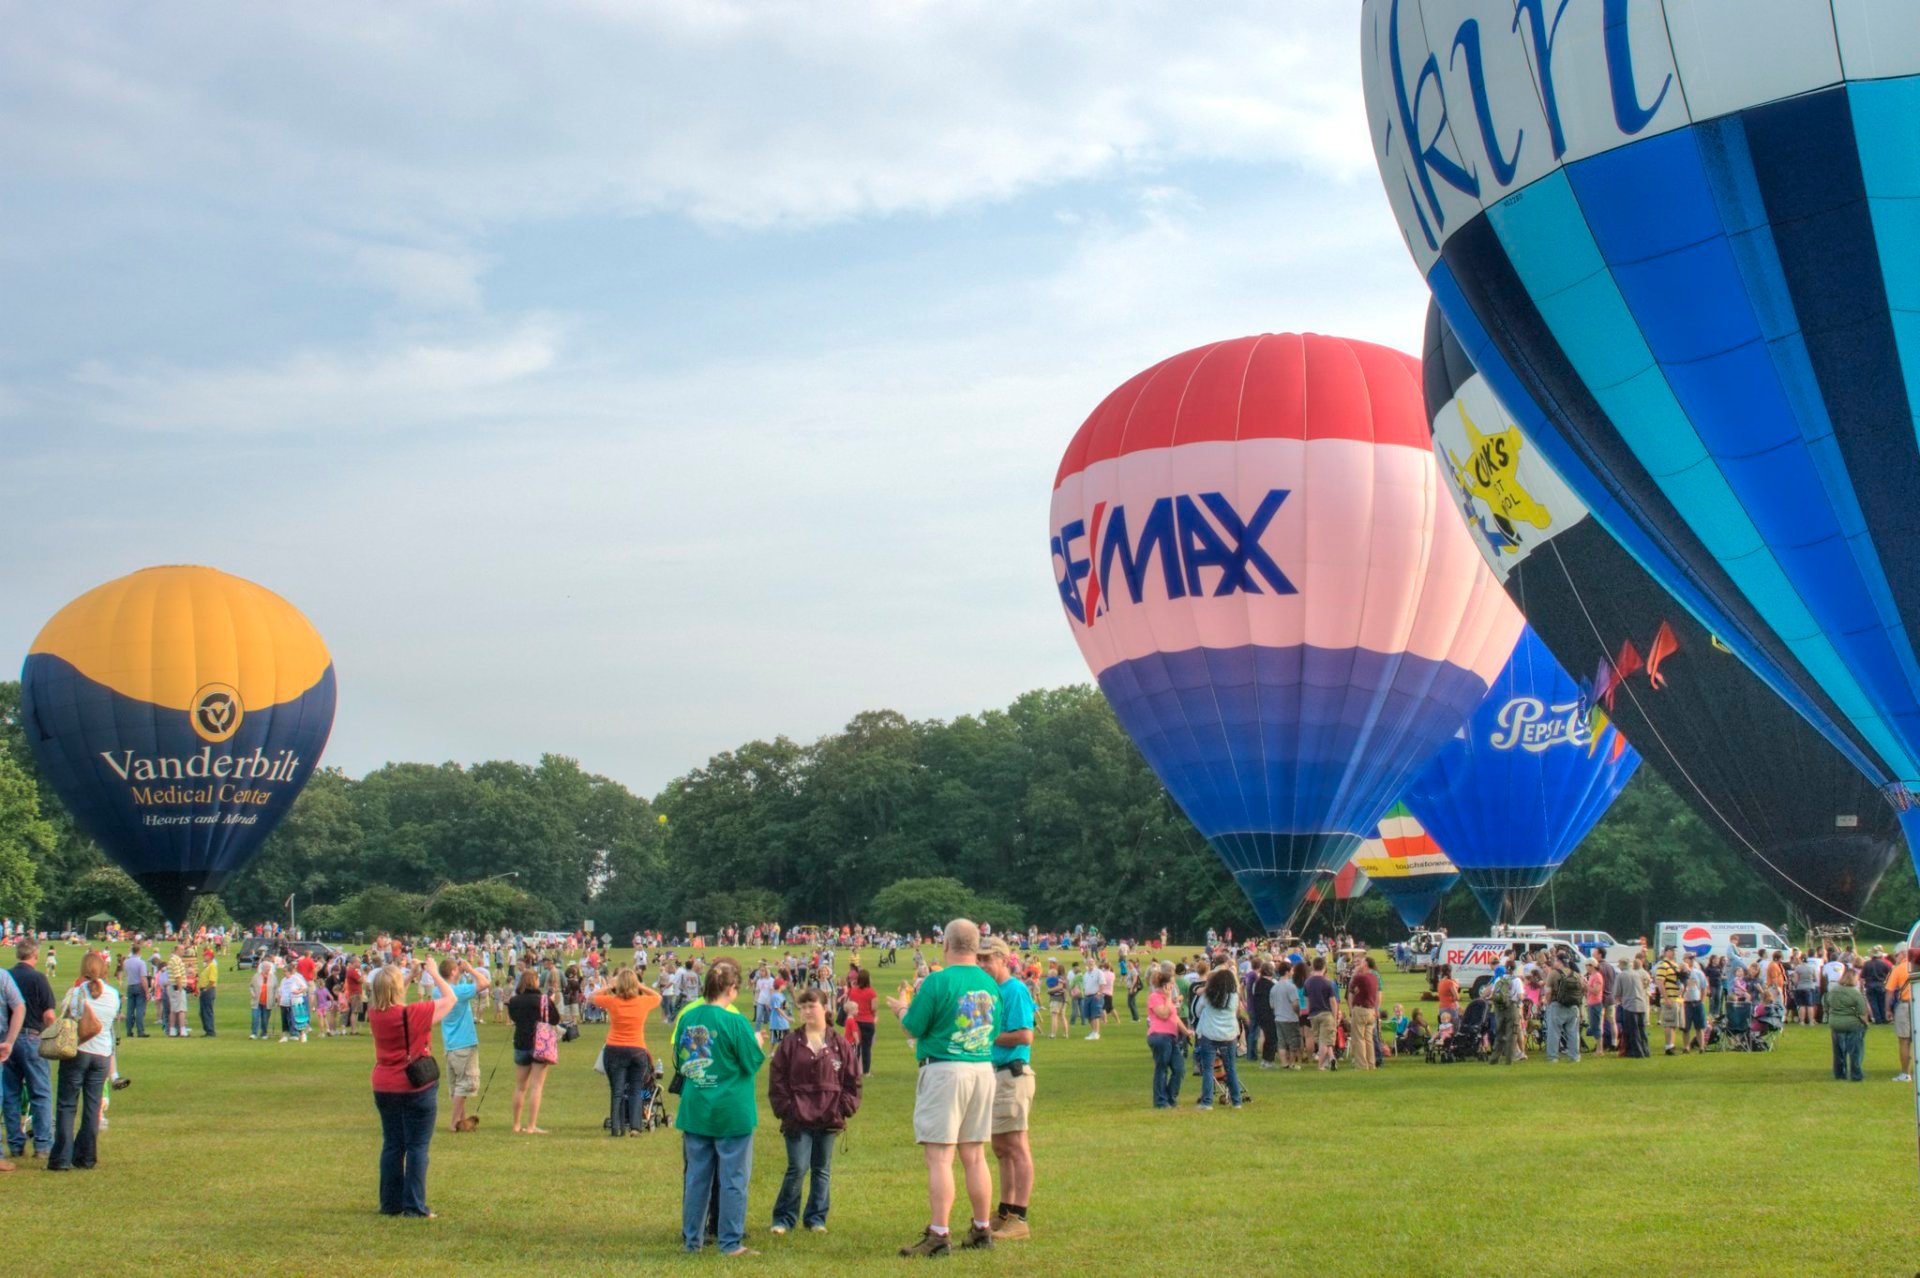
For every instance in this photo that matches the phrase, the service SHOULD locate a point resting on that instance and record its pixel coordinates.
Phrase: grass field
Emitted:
(237, 1157)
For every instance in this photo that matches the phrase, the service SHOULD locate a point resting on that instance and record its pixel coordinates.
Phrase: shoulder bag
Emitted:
(60, 1041)
(422, 1071)
(546, 1039)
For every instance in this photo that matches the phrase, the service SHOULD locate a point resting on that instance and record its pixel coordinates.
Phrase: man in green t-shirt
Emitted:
(952, 1019)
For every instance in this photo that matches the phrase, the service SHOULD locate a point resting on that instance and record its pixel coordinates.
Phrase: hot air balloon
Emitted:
(1677, 239)
(1406, 866)
(1816, 828)
(177, 712)
(1513, 793)
(1255, 555)
(1333, 896)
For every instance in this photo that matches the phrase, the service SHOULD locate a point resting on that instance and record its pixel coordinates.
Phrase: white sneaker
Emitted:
(1903, 1078)
(283, 1038)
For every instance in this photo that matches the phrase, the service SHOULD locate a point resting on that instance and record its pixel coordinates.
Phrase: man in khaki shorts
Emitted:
(1012, 1092)
(952, 1019)
(461, 1039)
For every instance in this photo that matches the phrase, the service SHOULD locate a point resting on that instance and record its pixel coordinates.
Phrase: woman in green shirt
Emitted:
(1847, 1019)
(716, 1053)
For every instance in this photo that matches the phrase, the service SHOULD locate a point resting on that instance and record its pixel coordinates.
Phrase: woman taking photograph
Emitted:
(813, 1086)
(627, 1004)
(716, 1054)
(1167, 1036)
(402, 1033)
(1219, 1034)
(529, 1009)
(860, 997)
(82, 1080)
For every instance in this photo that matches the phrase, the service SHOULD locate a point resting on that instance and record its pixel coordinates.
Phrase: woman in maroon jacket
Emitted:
(813, 1084)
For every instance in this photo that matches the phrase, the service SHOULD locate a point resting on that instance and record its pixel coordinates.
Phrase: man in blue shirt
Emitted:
(1012, 1091)
(462, 1040)
(135, 972)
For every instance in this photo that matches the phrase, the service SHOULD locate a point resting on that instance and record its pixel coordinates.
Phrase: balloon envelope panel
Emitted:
(1257, 561)
(1685, 241)
(1814, 826)
(178, 712)
(1513, 793)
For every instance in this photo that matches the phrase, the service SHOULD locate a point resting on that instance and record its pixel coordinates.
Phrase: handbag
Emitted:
(546, 1038)
(60, 1041)
(422, 1071)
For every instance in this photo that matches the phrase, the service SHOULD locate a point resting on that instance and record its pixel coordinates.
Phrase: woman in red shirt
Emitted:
(860, 994)
(403, 1032)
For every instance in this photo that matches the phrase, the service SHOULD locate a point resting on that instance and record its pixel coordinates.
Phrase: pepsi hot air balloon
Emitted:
(178, 712)
(1679, 241)
(1258, 562)
(1512, 795)
(1406, 866)
(1747, 764)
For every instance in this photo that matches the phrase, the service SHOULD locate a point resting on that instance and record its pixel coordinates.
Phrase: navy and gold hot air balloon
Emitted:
(178, 711)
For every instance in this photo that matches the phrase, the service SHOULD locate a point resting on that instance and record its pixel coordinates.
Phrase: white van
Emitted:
(1742, 941)
(1589, 942)
(1473, 958)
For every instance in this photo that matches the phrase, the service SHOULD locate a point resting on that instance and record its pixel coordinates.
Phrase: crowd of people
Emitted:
(971, 1009)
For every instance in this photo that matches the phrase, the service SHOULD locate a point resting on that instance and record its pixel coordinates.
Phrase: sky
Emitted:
(631, 381)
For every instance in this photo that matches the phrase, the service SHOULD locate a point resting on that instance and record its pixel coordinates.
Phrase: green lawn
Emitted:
(237, 1157)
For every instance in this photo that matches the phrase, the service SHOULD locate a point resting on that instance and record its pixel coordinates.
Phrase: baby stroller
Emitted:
(646, 1099)
(1468, 1039)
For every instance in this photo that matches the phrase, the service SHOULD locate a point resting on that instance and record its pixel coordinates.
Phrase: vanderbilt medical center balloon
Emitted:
(1747, 764)
(1513, 793)
(1687, 237)
(1255, 554)
(177, 712)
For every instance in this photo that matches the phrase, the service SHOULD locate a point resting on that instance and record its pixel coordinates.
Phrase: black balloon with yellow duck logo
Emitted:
(178, 712)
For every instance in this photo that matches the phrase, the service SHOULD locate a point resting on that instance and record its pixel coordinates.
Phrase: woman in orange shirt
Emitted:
(627, 1004)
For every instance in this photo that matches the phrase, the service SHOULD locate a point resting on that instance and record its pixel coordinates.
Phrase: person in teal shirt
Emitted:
(461, 1039)
(953, 1019)
(716, 1053)
(1012, 1092)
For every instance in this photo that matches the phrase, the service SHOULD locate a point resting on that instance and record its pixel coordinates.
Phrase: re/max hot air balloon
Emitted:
(1406, 866)
(1680, 241)
(177, 712)
(1816, 828)
(1511, 796)
(1256, 557)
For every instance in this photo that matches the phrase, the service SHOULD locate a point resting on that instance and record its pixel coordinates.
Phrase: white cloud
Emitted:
(416, 276)
(409, 383)
(731, 111)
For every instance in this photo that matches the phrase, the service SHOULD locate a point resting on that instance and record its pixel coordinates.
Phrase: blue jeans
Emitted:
(76, 1132)
(1563, 1032)
(809, 1156)
(262, 1020)
(406, 1129)
(1168, 1063)
(732, 1156)
(1203, 1053)
(206, 1011)
(136, 1011)
(1847, 1046)
(26, 1081)
(626, 1066)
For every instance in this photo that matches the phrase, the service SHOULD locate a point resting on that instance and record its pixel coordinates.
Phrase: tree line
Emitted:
(1041, 813)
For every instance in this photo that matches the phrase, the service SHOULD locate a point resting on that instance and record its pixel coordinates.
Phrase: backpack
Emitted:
(1568, 990)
